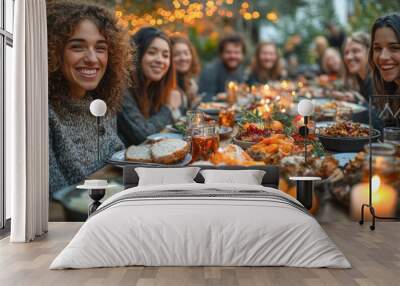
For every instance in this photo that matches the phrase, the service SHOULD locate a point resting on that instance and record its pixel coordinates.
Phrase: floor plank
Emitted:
(375, 257)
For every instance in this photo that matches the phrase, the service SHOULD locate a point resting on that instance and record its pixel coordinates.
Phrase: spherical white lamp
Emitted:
(98, 108)
(305, 107)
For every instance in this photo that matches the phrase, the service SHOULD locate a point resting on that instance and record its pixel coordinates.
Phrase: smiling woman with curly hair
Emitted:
(89, 58)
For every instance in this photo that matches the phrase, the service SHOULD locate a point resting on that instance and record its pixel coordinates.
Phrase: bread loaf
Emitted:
(140, 153)
(169, 151)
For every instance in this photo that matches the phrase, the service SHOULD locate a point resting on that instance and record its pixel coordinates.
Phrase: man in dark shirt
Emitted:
(227, 67)
(336, 36)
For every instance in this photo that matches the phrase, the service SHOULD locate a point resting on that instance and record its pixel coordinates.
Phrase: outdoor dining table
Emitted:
(71, 203)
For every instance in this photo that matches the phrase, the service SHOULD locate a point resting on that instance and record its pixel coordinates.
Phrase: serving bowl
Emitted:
(345, 144)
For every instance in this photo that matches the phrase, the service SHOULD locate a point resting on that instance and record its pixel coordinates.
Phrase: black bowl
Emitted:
(347, 144)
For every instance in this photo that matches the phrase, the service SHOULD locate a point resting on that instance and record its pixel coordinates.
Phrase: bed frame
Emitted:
(131, 179)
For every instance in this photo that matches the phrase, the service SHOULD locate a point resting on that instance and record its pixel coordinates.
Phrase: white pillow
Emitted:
(248, 177)
(166, 176)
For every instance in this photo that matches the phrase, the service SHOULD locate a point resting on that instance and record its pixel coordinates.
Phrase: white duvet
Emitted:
(192, 231)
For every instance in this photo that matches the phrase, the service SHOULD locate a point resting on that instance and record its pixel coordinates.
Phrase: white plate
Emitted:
(159, 136)
(355, 108)
(118, 158)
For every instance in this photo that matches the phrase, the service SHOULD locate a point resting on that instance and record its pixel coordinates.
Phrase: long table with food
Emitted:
(259, 125)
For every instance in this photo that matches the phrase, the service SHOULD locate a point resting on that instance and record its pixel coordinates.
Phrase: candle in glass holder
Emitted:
(384, 199)
(285, 84)
(231, 92)
(193, 118)
(226, 118)
(266, 90)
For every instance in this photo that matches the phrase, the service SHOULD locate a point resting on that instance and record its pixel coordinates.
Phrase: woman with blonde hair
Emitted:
(266, 65)
(187, 66)
(358, 78)
(332, 64)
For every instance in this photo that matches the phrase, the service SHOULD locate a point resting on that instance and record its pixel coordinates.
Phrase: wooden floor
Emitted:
(375, 257)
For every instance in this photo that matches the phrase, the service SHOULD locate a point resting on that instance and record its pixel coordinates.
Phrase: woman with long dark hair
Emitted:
(384, 59)
(148, 106)
(187, 68)
(266, 65)
(384, 55)
(89, 57)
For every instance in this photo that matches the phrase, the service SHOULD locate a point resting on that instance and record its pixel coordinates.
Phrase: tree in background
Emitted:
(367, 11)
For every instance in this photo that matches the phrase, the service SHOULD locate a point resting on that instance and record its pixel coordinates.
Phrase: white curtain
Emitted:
(27, 124)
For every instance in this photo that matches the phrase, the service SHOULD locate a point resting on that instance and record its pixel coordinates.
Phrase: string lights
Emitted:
(183, 11)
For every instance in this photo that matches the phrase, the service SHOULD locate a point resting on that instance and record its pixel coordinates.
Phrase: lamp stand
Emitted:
(304, 132)
(98, 138)
(96, 195)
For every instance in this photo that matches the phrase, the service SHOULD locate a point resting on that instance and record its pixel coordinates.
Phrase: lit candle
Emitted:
(231, 92)
(284, 84)
(384, 199)
(253, 89)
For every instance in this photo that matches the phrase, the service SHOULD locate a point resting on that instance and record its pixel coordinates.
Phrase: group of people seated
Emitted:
(151, 79)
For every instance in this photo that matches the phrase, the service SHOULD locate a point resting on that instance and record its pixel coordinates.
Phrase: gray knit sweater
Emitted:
(73, 142)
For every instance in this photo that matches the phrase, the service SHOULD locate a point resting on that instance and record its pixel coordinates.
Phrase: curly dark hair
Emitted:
(62, 19)
(231, 39)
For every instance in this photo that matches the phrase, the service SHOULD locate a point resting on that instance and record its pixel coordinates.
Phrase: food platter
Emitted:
(242, 143)
(344, 143)
(327, 105)
(118, 158)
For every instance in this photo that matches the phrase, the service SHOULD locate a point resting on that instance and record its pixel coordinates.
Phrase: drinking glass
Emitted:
(392, 135)
(193, 118)
(205, 141)
(343, 114)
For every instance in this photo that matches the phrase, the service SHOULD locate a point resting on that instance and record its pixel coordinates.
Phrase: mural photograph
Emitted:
(200, 142)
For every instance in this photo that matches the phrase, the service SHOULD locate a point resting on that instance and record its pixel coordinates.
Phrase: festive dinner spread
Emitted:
(217, 162)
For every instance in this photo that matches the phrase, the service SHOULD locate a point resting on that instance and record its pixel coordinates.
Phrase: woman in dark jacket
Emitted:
(149, 105)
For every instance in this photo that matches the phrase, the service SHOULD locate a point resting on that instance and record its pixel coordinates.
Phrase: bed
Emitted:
(198, 224)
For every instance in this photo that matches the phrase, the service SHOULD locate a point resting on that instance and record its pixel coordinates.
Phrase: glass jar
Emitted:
(194, 118)
(205, 141)
(384, 162)
(391, 135)
(343, 113)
